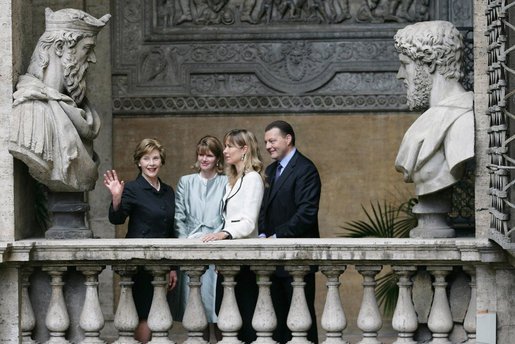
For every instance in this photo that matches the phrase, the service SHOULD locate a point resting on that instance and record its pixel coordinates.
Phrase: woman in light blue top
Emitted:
(198, 202)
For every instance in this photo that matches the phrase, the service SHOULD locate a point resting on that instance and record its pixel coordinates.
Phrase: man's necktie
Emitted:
(278, 172)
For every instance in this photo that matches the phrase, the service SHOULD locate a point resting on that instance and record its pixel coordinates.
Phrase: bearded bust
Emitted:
(53, 125)
(435, 148)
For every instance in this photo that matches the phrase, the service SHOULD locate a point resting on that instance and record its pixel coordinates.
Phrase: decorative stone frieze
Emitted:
(170, 56)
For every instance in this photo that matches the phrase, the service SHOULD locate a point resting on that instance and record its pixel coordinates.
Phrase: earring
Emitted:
(243, 157)
(139, 165)
(217, 164)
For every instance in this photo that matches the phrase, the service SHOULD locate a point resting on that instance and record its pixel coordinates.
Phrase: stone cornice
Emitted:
(256, 251)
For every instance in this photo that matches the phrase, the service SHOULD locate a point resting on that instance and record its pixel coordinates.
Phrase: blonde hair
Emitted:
(251, 160)
(146, 146)
(212, 144)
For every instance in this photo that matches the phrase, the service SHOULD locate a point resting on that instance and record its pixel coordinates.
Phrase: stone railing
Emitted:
(368, 256)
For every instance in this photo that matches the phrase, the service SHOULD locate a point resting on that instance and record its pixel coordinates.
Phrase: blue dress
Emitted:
(198, 211)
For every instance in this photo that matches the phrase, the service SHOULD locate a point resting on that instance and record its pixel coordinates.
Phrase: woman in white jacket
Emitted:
(241, 204)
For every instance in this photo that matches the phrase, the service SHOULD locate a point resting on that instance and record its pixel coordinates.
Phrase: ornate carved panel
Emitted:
(260, 56)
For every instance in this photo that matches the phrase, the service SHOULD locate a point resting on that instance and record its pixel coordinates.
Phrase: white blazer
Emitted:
(243, 202)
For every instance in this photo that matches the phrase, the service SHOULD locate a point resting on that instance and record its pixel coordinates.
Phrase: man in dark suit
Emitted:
(289, 210)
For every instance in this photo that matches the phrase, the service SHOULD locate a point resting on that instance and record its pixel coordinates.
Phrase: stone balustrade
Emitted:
(369, 256)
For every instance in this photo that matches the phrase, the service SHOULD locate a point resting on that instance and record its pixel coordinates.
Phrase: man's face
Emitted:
(277, 145)
(418, 82)
(75, 62)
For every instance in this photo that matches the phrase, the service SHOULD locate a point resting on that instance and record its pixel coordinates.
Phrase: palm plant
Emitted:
(385, 221)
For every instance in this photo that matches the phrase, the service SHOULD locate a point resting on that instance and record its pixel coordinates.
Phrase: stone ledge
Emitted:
(258, 251)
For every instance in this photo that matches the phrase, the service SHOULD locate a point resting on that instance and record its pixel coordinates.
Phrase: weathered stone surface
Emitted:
(436, 146)
(458, 334)
(459, 296)
(422, 295)
(52, 123)
(248, 59)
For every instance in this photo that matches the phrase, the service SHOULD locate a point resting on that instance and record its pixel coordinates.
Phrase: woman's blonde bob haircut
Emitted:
(146, 146)
(210, 144)
(251, 160)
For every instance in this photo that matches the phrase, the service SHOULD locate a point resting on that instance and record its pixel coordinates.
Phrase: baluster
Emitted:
(91, 318)
(194, 319)
(229, 318)
(126, 318)
(333, 317)
(160, 318)
(440, 318)
(469, 324)
(299, 318)
(57, 320)
(28, 319)
(404, 317)
(369, 318)
(264, 320)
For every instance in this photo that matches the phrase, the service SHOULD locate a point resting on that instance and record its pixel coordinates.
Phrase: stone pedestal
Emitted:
(431, 211)
(68, 211)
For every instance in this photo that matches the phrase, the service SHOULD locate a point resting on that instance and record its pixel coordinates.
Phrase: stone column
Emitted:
(469, 324)
(91, 318)
(160, 318)
(369, 317)
(440, 319)
(57, 320)
(229, 318)
(194, 319)
(299, 318)
(28, 319)
(333, 317)
(404, 317)
(126, 318)
(264, 320)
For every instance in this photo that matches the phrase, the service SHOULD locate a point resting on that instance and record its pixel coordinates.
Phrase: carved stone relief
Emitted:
(238, 56)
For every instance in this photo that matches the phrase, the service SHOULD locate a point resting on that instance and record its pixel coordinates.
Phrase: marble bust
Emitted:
(53, 125)
(436, 147)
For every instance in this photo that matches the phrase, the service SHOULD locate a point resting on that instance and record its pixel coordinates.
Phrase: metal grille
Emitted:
(501, 162)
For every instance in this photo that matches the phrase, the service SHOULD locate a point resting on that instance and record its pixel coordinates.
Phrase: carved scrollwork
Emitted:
(252, 104)
(282, 55)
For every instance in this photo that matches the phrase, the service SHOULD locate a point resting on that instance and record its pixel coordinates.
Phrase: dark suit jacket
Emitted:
(290, 208)
(151, 212)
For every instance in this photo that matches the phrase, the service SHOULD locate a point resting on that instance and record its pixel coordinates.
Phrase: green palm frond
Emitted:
(385, 221)
(381, 221)
(387, 292)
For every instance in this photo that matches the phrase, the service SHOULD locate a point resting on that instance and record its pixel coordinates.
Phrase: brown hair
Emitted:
(146, 146)
(252, 160)
(212, 144)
